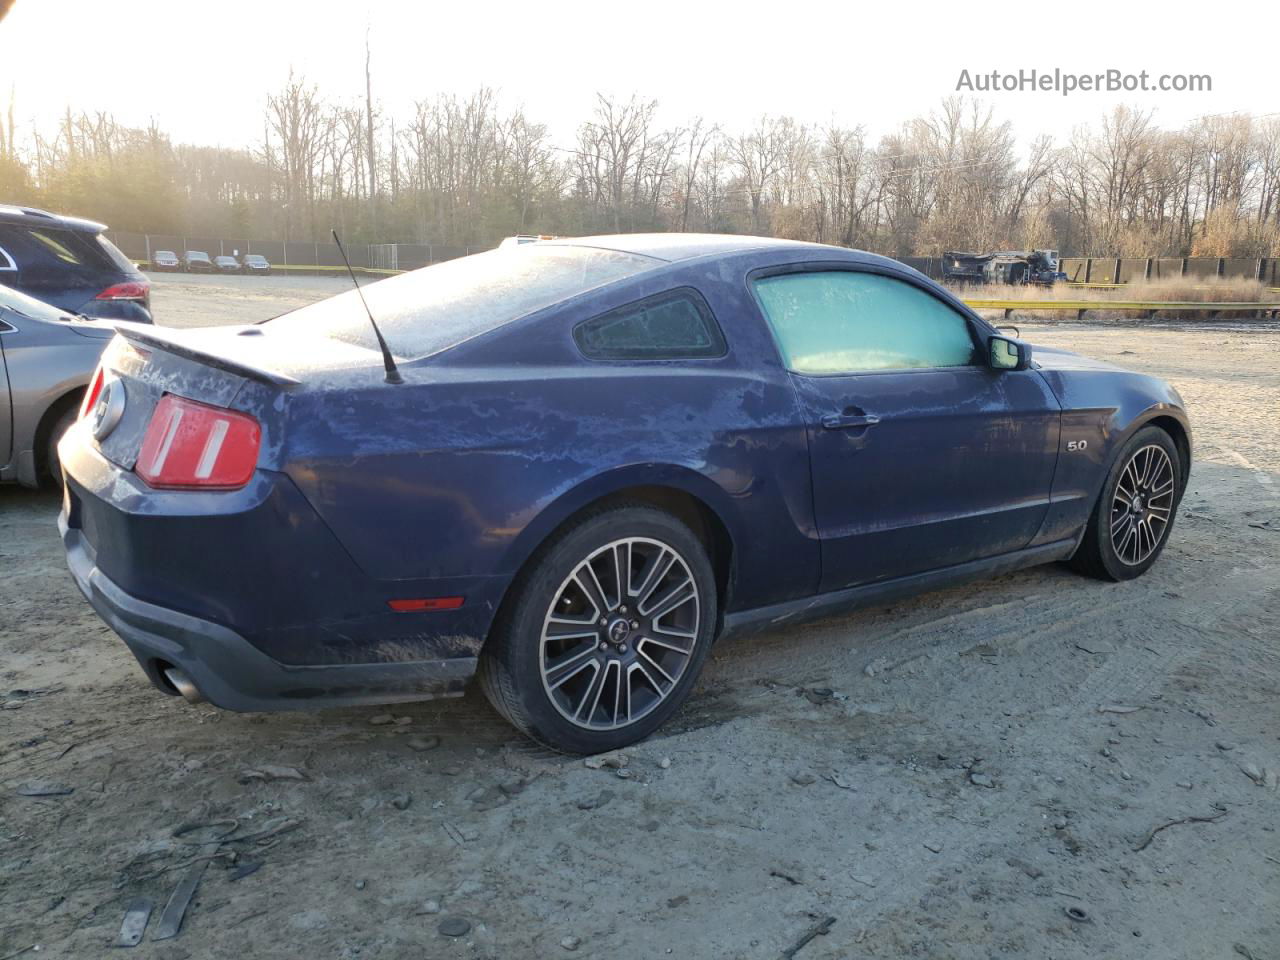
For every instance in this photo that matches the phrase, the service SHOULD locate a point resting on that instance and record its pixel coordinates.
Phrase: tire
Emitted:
(584, 682)
(1139, 501)
(60, 426)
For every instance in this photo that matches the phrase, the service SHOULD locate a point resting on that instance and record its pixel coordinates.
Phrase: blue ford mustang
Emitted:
(588, 458)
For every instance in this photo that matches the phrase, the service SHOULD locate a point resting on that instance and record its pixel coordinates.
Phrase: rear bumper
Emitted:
(250, 594)
(234, 674)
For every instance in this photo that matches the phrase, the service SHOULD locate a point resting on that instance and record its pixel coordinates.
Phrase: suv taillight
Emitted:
(95, 390)
(195, 446)
(129, 290)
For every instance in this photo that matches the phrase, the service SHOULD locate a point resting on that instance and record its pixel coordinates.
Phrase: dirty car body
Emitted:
(377, 537)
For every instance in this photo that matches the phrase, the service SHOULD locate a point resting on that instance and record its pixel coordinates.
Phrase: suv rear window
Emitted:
(429, 310)
(671, 326)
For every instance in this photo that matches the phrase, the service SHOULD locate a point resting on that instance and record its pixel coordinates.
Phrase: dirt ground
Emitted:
(974, 773)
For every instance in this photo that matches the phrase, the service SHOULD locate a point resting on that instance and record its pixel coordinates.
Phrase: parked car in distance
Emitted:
(226, 264)
(68, 263)
(197, 261)
(576, 464)
(256, 263)
(165, 261)
(47, 356)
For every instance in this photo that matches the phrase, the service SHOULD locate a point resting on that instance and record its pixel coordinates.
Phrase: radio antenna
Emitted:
(388, 361)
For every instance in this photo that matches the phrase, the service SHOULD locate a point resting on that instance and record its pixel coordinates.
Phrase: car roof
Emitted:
(674, 247)
(34, 217)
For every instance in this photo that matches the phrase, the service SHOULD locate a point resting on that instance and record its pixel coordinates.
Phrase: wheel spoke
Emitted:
(568, 666)
(657, 687)
(1146, 468)
(622, 570)
(587, 581)
(559, 628)
(1118, 520)
(623, 704)
(675, 633)
(682, 592)
(592, 693)
(1162, 468)
(1129, 474)
(661, 564)
(1130, 533)
(657, 666)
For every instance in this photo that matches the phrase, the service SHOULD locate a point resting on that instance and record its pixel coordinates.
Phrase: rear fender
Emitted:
(613, 482)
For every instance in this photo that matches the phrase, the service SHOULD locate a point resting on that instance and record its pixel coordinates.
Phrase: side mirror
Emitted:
(1006, 354)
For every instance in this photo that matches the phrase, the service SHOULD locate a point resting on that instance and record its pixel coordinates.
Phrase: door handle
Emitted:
(849, 421)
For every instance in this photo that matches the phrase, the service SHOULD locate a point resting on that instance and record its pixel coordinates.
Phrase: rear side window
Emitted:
(60, 244)
(429, 310)
(841, 322)
(670, 326)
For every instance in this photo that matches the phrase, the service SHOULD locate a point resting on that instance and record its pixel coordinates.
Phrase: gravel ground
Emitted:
(976, 772)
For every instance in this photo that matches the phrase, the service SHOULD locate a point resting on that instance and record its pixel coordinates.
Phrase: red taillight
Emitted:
(425, 604)
(95, 390)
(190, 445)
(129, 290)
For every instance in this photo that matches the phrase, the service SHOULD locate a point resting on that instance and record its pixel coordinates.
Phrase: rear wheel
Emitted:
(60, 426)
(606, 633)
(1131, 521)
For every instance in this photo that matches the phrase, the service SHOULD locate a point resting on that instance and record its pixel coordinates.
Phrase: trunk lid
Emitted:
(213, 365)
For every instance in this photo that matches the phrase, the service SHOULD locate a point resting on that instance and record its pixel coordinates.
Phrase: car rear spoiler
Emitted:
(152, 338)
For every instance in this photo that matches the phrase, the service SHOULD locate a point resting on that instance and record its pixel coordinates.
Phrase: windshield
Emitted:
(165, 255)
(254, 258)
(30, 306)
(429, 310)
(196, 255)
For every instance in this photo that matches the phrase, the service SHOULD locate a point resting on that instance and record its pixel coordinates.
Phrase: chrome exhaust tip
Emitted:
(184, 685)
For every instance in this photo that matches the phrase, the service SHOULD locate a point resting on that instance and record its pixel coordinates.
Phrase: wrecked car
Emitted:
(566, 468)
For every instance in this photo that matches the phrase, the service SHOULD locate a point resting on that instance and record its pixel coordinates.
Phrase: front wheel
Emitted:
(606, 631)
(1131, 521)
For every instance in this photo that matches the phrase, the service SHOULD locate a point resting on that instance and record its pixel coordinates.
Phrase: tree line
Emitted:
(469, 171)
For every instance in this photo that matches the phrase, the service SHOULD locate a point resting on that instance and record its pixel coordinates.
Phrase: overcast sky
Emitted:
(203, 70)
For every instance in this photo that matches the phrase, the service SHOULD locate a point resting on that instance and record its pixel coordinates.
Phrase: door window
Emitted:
(841, 322)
